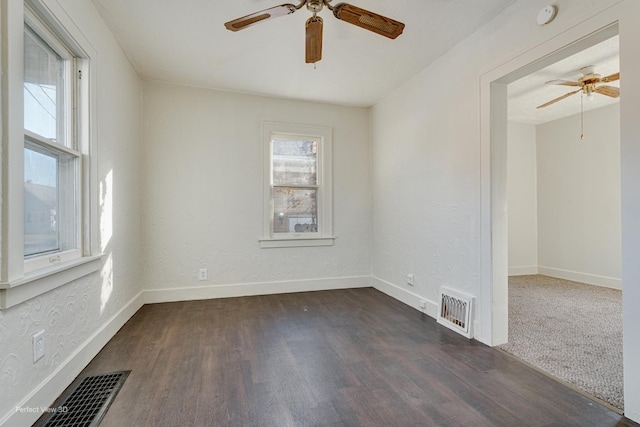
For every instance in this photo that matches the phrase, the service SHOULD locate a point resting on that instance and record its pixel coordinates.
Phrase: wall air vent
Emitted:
(454, 311)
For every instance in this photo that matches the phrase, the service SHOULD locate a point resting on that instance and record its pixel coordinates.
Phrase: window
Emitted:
(297, 185)
(51, 161)
(49, 201)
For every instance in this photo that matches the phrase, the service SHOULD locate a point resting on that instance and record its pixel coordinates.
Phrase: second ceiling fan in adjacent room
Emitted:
(589, 83)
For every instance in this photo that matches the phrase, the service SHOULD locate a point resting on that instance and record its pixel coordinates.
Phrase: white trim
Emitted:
(324, 136)
(296, 241)
(591, 279)
(54, 384)
(492, 296)
(152, 296)
(525, 270)
(44, 280)
(12, 268)
(12, 193)
(405, 296)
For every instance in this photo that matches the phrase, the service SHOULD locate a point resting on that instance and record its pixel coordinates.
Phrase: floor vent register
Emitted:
(85, 402)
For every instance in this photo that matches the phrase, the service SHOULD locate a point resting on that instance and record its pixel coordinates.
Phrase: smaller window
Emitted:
(298, 186)
(294, 166)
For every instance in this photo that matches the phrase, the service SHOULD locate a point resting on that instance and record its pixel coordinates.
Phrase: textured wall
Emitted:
(426, 155)
(579, 196)
(427, 188)
(203, 191)
(71, 314)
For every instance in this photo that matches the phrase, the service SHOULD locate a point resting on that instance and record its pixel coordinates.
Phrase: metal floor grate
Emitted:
(85, 404)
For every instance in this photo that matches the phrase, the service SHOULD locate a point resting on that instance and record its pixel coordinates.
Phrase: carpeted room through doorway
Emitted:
(570, 330)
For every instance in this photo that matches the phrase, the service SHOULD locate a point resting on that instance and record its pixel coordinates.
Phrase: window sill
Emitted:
(41, 281)
(296, 242)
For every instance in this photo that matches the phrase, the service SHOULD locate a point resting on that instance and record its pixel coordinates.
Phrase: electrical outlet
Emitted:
(411, 279)
(38, 346)
(203, 274)
(423, 304)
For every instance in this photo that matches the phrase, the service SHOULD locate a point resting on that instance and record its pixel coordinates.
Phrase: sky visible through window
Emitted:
(40, 118)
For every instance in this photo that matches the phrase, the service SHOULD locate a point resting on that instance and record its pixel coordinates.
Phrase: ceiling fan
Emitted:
(354, 15)
(589, 84)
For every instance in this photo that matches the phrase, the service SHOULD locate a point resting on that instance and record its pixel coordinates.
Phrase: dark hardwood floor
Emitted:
(333, 358)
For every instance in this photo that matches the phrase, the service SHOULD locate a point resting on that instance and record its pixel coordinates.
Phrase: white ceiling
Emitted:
(185, 42)
(530, 91)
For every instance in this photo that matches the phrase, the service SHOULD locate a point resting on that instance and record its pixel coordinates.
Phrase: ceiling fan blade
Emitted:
(313, 51)
(368, 20)
(553, 101)
(263, 15)
(611, 78)
(563, 83)
(611, 91)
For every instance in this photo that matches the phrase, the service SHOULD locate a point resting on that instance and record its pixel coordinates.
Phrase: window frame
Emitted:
(65, 143)
(38, 261)
(20, 278)
(324, 197)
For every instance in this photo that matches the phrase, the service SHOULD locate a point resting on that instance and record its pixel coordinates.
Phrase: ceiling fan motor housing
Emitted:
(314, 6)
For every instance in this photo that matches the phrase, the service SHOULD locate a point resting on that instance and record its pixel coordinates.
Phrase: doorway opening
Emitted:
(564, 231)
(495, 130)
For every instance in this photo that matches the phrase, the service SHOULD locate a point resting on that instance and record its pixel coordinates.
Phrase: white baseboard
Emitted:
(52, 386)
(152, 296)
(525, 270)
(591, 279)
(406, 296)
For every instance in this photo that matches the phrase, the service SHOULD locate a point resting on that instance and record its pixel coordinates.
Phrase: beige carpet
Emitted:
(571, 330)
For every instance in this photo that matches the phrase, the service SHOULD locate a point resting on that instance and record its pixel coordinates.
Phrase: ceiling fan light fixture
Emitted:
(588, 89)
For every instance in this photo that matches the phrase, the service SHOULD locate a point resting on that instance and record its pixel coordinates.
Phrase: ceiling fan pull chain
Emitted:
(581, 117)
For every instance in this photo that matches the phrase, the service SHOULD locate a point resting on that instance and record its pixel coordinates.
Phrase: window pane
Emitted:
(294, 162)
(295, 210)
(50, 200)
(43, 92)
(40, 202)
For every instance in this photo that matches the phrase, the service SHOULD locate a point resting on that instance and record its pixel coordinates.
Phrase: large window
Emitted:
(298, 185)
(49, 200)
(52, 194)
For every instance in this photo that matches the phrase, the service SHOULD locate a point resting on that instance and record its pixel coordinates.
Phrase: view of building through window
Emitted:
(40, 202)
(295, 183)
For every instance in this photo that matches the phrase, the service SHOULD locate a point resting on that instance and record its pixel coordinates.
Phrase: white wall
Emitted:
(81, 316)
(432, 205)
(203, 196)
(579, 198)
(426, 158)
(522, 199)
